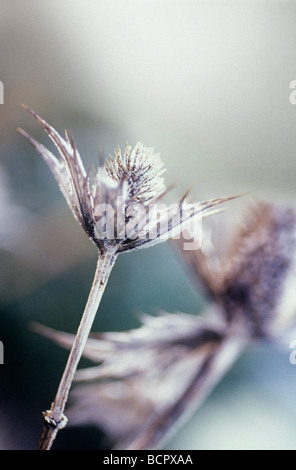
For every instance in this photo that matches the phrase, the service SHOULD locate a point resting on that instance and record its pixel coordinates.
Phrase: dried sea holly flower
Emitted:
(118, 205)
(254, 278)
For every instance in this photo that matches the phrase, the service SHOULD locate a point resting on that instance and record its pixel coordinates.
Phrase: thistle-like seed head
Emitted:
(259, 282)
(117, 205)
(255, 279)
(141, 168)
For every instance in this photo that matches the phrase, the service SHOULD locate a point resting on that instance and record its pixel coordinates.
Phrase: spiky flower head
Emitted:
(253, 279)
(118, 204)
(141, 168)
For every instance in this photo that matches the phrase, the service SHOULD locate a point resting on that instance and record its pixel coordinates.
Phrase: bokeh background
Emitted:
(207, 84)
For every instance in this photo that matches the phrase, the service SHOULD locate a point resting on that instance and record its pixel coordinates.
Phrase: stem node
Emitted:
(47, 417)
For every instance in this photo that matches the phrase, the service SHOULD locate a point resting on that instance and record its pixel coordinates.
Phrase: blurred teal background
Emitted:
(206, 84)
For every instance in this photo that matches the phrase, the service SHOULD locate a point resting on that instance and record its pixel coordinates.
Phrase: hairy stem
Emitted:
(163, 425)
(54, 419)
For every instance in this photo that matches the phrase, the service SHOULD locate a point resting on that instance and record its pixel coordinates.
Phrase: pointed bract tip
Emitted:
(24, 134)
(30, 111)
(188, 190)
(27, 108)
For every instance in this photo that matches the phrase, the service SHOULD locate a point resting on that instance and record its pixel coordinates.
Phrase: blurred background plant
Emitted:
(205, 83)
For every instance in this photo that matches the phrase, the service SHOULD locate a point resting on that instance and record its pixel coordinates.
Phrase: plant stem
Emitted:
(54, 419)
(207, 377)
